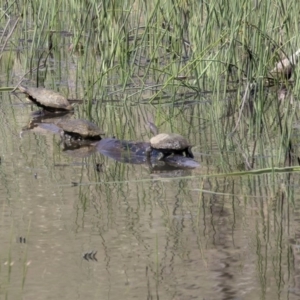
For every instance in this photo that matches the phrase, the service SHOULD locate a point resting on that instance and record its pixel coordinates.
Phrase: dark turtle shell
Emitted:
(80, 128)
(47, 99)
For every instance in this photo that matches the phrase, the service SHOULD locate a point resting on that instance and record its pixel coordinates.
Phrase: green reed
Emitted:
(167, 53)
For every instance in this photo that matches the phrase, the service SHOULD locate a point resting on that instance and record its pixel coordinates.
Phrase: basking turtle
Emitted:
(48, 100)
(79, 129)
(169, 143)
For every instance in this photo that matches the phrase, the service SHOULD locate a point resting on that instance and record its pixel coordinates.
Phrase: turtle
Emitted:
(79, 129)
(285, 67)
(168, 143)
(49, 100)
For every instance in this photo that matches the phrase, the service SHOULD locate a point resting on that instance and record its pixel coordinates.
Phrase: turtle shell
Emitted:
(82, 128)
(47, 99)
(169, 141)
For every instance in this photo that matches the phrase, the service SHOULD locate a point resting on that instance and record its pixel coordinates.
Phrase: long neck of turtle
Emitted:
(153, 128)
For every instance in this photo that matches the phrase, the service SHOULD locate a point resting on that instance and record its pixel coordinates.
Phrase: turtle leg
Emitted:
(164, 155)
(188, 152)
(62, 134)
(148, 152)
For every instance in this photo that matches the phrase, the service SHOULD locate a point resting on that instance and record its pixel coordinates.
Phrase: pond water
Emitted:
(167, 235)
(78, 226)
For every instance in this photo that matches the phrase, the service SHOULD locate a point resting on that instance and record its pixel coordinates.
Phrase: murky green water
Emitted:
(71, 231)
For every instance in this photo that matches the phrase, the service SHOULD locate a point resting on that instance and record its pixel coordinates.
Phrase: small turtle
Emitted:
(48, 100)
(285, 67)
(79, 129)
(170, 143)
